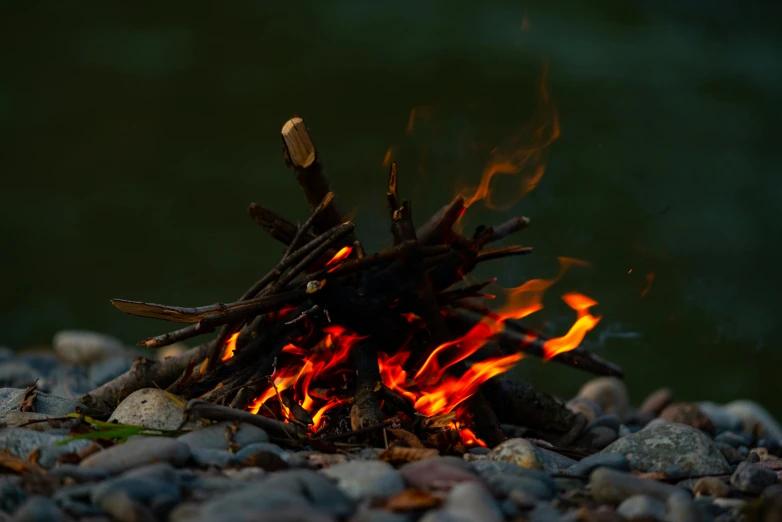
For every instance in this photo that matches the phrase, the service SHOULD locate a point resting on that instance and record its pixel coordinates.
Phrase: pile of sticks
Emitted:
(364, 292)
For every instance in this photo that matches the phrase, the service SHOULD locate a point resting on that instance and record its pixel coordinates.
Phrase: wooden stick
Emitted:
(449, 296)
(497, 253)
(210, 315)
(292, 257)
(305, 228)
(143, 374)
(176, 336)
(509, 227)
(201, 409)
(439, 227)
(302, 155)
(278, 227)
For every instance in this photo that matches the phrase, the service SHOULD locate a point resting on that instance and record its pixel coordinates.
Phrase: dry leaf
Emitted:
(399, 455)
(405, 436)
(411, 500)
(34, 455)
(27, 404)
(16, 465)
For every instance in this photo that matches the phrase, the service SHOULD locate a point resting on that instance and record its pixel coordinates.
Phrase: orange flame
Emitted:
(387, 157)
(649, 279)
(514, 159)
(340, 256)
(584, 323)
(230, 347)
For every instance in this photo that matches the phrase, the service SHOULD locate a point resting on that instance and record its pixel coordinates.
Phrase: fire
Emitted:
(339, 257)
(230, 347)
(584, 323)
(514, 159)
(323, 359)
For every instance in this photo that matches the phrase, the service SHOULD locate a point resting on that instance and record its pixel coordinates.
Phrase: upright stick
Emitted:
(303, 157)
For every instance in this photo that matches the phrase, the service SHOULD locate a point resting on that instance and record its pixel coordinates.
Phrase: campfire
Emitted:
(335, 343)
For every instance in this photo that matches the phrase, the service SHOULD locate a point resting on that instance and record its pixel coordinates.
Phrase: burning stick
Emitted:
(516, 338)
(439, 227)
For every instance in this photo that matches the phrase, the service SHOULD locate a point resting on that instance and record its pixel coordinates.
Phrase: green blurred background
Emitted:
(134, 137)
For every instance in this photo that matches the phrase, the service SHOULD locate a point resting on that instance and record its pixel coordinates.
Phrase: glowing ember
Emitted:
(230, 347)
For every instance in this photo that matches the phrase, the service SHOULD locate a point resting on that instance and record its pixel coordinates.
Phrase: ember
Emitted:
(335, 342)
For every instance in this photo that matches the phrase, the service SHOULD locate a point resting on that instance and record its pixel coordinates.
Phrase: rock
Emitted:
(503, 484)
(253, 450)
(680, 508)
(366, 480)
(282, 490)
(68, 382)
(729, 452)
(10, 399)
(520, 452)
(38, 509)
(102, 372)
(608, 421)
(656, 402)
(488, 468)
(213, 457)
(437, 473)
(734, 439)
(162, 471)
(553, 462)
(379, 515)
(641, 506)
(711, 486)
(214, 436)
(151, 408)
(82, 347)
(753, 479)
(17, 374)
(6, 354)
(613, 487)
(49, 454)
(588, 464)
(688, 413)
(11, 496)
(466, 502)
(116, 496)
(610, 394)
(722, 419)
(587, 407)
(78, 474)
(20, 442)
(545, 512)
(139, 452)
(597, 438)
(752, 414)
(661, 445)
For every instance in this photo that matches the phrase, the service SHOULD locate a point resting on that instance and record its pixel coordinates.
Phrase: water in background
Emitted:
(133, 139)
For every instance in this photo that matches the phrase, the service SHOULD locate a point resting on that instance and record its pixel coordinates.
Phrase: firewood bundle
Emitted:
(334, 340)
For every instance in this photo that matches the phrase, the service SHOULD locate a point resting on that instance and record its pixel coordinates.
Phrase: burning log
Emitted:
(332, 331)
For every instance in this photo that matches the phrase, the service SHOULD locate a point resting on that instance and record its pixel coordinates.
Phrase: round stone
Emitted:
(83, 347)
(520, 452)
(151, 408)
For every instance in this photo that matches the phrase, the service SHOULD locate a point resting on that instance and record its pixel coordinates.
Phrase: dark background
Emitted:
(133, 139)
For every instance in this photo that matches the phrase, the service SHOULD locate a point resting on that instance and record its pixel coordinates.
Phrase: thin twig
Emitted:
(361, 431)
(305, 228)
